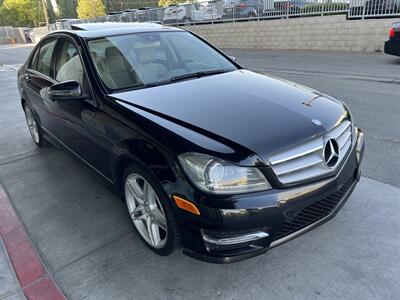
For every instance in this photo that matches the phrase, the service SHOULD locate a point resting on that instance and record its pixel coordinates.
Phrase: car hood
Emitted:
(259, 112)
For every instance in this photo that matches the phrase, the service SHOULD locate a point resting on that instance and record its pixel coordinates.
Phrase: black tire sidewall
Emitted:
(40, 144)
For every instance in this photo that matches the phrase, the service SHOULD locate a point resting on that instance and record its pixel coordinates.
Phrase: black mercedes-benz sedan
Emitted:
(210, 157)
(392, 45)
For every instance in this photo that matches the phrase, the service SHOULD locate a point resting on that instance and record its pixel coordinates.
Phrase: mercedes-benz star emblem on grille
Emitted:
(331, 153)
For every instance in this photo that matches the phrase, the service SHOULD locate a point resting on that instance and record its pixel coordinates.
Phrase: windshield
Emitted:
(154, 58)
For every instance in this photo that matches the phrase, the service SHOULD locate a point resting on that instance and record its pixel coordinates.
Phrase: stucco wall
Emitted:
(333, 33)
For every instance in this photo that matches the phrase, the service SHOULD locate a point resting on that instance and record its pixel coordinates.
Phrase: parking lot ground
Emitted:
(85, 240)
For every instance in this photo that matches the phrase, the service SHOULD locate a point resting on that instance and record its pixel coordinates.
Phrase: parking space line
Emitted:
(33, 277)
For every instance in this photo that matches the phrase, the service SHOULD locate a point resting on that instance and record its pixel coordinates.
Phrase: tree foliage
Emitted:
(21, 13)
(67, 9)
(90, 9)
(113, 5)
(162, 3)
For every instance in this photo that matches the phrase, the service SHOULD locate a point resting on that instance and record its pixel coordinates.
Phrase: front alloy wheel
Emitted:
(150, 212)
(146, 211)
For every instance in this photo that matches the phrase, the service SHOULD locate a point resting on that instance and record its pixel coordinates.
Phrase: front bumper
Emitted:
(254, 223)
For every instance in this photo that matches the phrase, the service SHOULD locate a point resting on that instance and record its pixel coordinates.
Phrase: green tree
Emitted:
(90, 9)
(50, 11)
(22, 13)
(67, 9)
(170, 2)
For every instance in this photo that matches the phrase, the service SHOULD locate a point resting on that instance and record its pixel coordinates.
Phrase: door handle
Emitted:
(28, 78)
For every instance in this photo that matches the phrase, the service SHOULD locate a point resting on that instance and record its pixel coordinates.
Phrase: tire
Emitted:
(34, 127)
(147, 211)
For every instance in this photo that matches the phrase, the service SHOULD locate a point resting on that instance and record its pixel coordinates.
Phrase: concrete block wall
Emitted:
(329, 33)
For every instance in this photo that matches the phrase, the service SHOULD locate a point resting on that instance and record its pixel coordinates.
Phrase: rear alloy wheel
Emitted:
(151, 215)
(33, 126)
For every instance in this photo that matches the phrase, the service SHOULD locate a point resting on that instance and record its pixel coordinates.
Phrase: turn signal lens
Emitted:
(186, 205)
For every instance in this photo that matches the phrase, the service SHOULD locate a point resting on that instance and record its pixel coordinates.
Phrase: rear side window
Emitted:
(33, 62)
(44, 58)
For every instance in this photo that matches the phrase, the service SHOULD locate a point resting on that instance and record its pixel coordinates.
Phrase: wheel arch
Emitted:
(160, 163)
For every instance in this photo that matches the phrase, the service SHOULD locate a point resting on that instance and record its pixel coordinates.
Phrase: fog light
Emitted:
(240, 239)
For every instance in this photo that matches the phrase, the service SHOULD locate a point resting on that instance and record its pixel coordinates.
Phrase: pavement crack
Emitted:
(6, 161)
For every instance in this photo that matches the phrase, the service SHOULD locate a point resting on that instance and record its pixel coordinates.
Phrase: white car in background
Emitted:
(214, 10)
(184, 13)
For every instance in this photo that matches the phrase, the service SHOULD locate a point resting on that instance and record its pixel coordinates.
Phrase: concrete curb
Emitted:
(32, 275)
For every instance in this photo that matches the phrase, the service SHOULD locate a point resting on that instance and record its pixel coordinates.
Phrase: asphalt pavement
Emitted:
(86, 241)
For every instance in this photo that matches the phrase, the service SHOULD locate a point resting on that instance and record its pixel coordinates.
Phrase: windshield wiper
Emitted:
(182, 77)
(198, 74)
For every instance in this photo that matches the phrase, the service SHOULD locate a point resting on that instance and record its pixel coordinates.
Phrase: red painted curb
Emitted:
(43, 290)
(36, 283)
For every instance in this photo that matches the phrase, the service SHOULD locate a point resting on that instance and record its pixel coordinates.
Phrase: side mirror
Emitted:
(232, 58)
(64, 91)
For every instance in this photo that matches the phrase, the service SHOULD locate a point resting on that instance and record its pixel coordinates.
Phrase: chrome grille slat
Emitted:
(345, 148)
(307, 173)
(296, 152)
(298, 163)
(305, 161)
(337, 131)
(344, 138)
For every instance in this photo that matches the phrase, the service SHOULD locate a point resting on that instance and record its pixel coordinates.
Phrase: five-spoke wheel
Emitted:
(146, 210)
(150, 211)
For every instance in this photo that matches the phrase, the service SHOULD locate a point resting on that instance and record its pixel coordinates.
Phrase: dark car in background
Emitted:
(207, 155)
(381, 7)
(292, 6)
(28, 34)
(146, 14)
(244, 9)
(392, 45)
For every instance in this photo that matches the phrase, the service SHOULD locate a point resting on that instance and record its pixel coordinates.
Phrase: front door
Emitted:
(78, 124)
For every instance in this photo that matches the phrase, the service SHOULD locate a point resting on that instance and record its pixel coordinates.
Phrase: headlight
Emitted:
(221, 177)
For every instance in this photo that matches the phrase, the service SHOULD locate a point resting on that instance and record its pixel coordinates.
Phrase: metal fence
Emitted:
(213, 11)
(6, 35)
(14, 35)
(373, 8)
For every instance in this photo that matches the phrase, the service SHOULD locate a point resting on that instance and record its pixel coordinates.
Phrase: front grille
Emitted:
(306, 161)
(314, 212)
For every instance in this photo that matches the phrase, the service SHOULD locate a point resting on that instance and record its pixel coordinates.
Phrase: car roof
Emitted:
(96, 30)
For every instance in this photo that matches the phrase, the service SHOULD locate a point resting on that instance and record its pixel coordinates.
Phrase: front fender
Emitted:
(139, 151)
